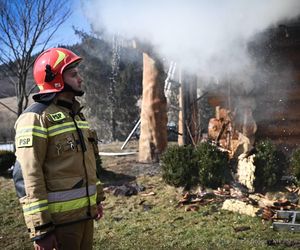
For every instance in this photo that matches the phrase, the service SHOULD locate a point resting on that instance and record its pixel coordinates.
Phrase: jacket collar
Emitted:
(73, 106)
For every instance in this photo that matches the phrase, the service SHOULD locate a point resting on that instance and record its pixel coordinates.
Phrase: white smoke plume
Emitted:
(206, 37)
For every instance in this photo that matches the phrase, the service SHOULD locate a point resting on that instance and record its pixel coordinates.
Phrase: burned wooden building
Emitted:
(243, 110)
(273, 100)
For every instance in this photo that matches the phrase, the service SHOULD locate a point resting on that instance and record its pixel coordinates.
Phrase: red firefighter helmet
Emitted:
(49, 66)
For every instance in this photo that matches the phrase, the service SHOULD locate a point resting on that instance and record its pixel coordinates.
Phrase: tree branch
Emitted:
(25, 26)
(8, 108)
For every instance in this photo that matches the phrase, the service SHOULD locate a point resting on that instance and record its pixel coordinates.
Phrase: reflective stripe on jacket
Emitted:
(56, 159)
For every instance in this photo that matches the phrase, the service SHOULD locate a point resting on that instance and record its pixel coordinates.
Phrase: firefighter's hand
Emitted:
(99, 211)
(47, 243)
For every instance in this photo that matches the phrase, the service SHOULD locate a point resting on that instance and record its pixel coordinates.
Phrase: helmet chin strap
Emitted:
(68, 88)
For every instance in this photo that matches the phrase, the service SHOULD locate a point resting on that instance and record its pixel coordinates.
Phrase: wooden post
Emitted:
(181, 118)
(193, 111)
(188, 114)
(153, 137)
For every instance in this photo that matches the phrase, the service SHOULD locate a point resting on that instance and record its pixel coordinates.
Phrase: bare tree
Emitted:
(26, 27)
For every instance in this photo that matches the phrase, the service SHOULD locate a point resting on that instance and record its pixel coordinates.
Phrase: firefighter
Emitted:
(55, 171)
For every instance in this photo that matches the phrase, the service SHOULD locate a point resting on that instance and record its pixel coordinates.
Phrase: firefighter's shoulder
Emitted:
(37, 108)
(32, 114)
(31, 126)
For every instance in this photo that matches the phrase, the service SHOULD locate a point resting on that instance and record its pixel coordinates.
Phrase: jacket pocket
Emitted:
(67, 183)
(65, 143)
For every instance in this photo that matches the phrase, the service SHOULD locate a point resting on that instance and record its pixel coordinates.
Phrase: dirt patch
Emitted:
(131, 167)
(122, 169)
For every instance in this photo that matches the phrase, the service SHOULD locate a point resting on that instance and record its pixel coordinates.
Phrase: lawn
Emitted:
(152, 219)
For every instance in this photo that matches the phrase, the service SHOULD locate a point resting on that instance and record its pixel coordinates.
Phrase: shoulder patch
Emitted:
(36, 107)
(57, 116)
(24, 141)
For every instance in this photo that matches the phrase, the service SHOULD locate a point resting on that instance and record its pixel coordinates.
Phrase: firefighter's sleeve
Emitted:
(31, 148)
(100, 192)
(93, 138)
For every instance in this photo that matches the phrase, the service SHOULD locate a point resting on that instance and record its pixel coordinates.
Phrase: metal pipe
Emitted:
(131, 133)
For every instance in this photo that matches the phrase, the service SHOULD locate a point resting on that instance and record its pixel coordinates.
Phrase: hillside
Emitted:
(7, 88)
(102, 107)
(8, 118)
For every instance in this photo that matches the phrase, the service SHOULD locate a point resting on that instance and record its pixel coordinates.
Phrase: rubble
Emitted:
(233, 131)
(260, 200)
(293, 197)
(284, 243)
(127, 189)
(148, 194)
(235, 198)
(240, 207)
(192, 208)
(268, 214)
(241, 229)
(245, 171)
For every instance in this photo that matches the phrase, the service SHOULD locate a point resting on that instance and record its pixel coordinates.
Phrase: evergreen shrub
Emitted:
(179, 167)
(294, 164)
(269, 165)
(7, 159)
(213, 165)
(188, 166)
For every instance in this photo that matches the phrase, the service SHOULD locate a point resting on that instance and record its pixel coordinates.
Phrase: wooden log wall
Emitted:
(277, 111)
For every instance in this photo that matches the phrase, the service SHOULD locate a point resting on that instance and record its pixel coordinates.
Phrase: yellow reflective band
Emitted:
(71, 194)
(35, 207)
(61, 128)
(28, 131)
(65, 206)
(98, 183)
(35, 210)
(31, 134)
(31, 127)
(61, 56)
(55, 127)
(66, 127)
(61, 131)
(33, 204)
(83, 126)
(83, 123)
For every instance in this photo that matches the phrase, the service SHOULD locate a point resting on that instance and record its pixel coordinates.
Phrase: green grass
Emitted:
(12, 226)
(127, 225)
(153, 222)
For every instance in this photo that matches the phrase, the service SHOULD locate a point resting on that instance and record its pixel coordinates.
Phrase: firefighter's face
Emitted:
(72, 78)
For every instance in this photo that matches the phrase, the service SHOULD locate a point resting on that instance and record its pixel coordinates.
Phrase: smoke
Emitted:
(209, 38)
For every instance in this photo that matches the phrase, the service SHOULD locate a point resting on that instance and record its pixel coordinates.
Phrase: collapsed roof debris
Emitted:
(245, 171)
(233, 199)
(264, 206)
(240, 207)
(127, 189)
(233, 131)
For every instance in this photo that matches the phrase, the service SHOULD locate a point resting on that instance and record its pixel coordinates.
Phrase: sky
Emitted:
(65, 35)
(207, 37)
